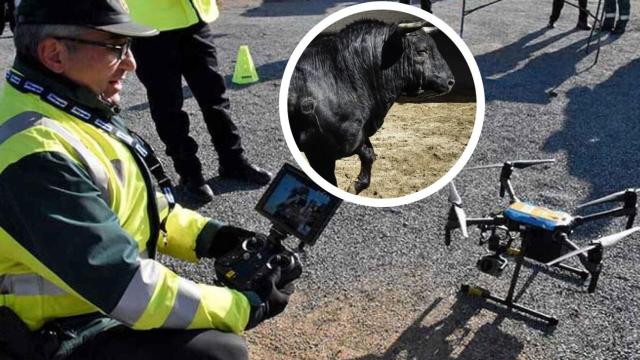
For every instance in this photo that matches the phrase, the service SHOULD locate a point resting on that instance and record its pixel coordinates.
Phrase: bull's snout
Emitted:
(444, 84)
(451, 82)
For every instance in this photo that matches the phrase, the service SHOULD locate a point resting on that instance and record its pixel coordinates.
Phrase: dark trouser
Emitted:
(162, 61)
(559, 4)
(624, 8)
(124, 343)
(424, 4)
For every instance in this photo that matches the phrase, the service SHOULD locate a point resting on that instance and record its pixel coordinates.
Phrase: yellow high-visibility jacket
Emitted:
(172, 14)
(76, 223)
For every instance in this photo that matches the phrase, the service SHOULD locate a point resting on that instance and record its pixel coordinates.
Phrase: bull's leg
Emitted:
(324, 166)
(367, 156)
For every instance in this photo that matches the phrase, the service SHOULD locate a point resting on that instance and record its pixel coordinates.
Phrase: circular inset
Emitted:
(345, 84)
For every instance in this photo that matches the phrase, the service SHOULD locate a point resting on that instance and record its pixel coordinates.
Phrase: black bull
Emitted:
(344, 84)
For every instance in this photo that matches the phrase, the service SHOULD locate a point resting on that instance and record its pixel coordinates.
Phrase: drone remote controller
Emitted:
(295, 206)
(245, 266)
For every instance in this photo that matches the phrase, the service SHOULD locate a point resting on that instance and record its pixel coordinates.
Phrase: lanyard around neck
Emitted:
(131, 140)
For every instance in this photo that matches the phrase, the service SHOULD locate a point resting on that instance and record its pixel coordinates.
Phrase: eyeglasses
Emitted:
(120, 50)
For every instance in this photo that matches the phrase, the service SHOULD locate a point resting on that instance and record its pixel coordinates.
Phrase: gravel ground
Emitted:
(380, 284)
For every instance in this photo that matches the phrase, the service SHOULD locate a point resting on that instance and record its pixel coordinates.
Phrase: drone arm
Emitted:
(474, 221)
(630, 220)
(565, 239)
(493, 221)
(594, 281)
(595, 259)
(509, 188)
(620, 211)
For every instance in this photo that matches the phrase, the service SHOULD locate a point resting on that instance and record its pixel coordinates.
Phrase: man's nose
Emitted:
(129, 62)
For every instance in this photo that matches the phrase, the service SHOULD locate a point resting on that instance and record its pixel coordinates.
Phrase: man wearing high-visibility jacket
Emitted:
(185, 48)
(80, 221)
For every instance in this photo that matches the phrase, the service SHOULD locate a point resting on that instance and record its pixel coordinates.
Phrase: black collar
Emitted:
(63, 86)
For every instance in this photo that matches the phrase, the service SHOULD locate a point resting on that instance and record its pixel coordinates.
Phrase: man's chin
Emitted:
(113, 99)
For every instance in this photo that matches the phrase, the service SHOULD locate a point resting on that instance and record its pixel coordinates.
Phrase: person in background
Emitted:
(624, 9)
(185, 48)
(582, 14)
(424, 4)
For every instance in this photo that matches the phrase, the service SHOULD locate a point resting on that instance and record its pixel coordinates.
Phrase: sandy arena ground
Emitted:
(417, 145)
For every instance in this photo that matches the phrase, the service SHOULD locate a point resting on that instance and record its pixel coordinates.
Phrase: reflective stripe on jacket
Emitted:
(172, 14)
(74, 229)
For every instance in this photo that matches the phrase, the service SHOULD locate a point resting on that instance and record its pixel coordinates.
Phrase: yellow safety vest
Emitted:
(53, 266)
(172, 14)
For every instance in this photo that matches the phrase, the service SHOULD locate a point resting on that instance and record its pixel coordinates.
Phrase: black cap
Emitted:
(107, 15)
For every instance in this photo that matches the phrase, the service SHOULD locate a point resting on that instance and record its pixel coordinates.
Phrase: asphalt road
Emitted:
(387, 271)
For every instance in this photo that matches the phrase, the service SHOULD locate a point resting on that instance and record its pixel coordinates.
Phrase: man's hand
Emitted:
(268, 300)
(226, 238)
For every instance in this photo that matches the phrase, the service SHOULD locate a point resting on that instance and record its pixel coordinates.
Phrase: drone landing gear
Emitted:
(485, 294)
(583, 274)
(508, 301)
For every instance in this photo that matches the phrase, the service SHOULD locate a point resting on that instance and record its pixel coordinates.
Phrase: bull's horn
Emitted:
(430, 29)
(406, 28)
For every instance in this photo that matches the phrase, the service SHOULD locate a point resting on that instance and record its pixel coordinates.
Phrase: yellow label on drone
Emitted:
(539, 212)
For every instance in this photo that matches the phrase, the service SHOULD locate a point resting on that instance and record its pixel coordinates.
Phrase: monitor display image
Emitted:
(297, 205)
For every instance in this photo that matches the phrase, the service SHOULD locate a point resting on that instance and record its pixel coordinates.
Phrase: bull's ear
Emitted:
(392, 48)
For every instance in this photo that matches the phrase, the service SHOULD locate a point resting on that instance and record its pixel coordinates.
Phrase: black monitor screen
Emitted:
(296, 205)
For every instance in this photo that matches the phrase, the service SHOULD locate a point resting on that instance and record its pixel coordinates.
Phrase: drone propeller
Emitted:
(507, 170)
(516, 164)
(603, 242)
(456, 208)
(618, 196)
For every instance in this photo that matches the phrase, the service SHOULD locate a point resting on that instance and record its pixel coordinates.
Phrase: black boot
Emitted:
(242, 170)
(188, 166)
(583, 25)
(620, 27)
(196, 190)
(583, 16)
(607, 24)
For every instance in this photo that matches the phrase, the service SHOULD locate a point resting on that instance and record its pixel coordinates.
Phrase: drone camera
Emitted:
(493, 265)
(494, 242)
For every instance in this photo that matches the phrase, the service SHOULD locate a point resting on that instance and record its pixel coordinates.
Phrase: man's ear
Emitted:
(53, 54)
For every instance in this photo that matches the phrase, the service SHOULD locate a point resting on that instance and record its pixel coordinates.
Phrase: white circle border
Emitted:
(466, 154)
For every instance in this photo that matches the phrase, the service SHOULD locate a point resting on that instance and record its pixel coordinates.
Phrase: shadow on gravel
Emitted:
(601, 135)
(292, 8)
(539, 73)
(445, 338)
